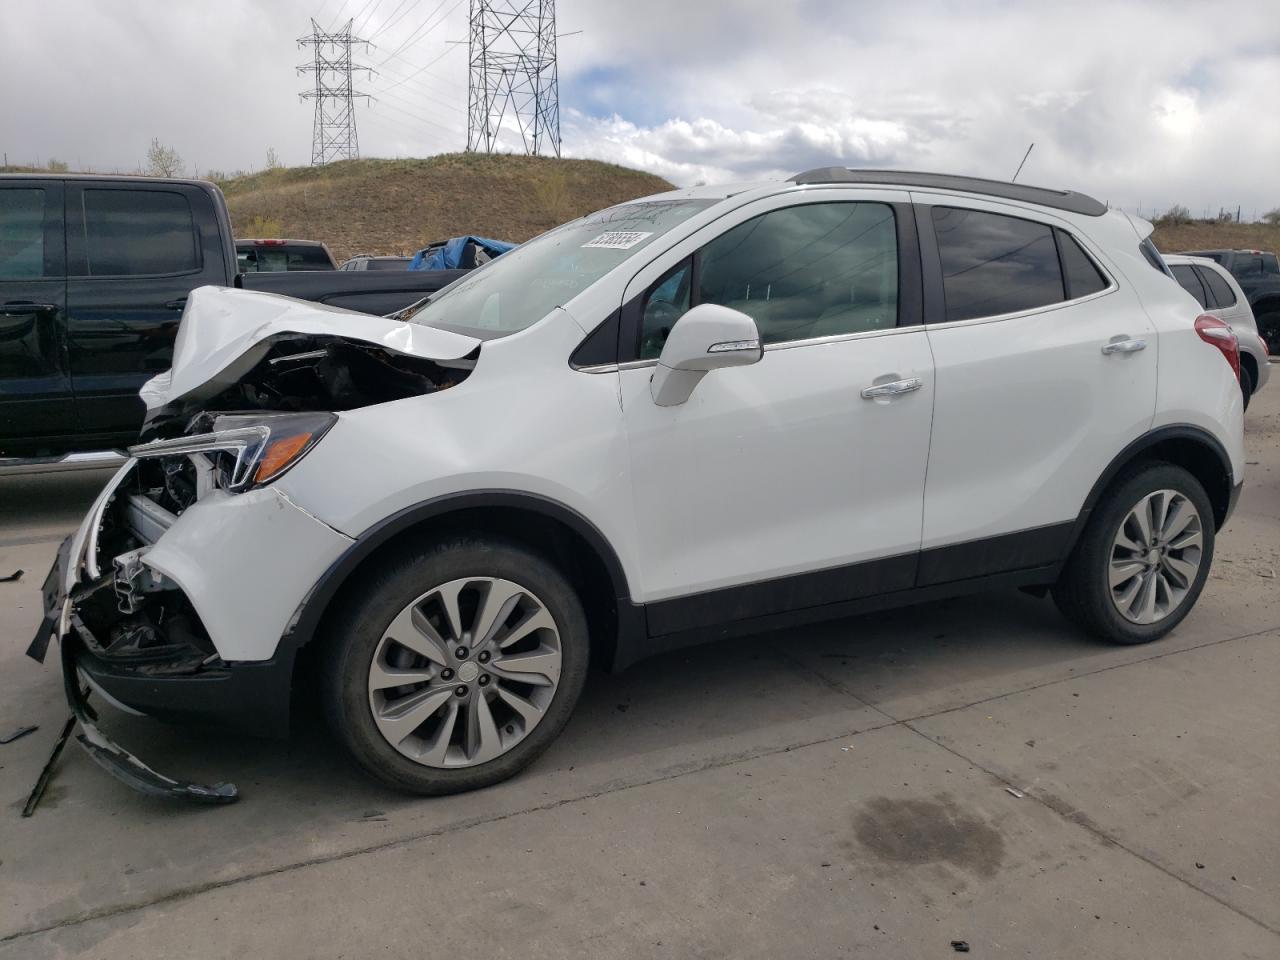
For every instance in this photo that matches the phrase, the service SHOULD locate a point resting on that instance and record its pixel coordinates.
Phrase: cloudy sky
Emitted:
(1140, 103)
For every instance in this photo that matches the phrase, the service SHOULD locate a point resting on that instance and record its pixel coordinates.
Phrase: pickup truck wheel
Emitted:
(1143, 558)
(455, 665)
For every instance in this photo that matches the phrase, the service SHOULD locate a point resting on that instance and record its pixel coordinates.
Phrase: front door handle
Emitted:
(25, 308)
(892, 389)
(177, 304)
(1124, 345)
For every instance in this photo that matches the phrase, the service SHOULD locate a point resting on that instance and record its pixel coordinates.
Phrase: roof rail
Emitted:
(1067, 200)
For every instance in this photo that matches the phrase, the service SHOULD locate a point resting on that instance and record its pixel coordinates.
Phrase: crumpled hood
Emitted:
(225, 333)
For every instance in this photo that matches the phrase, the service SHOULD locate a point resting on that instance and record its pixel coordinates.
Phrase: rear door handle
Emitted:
(24, 308)
(178, 304)
(892, 389)
(1124, 346)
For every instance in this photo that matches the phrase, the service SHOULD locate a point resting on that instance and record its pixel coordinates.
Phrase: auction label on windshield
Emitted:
(617, 240)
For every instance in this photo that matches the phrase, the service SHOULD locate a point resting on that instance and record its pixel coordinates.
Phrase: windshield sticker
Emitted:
(616, 240)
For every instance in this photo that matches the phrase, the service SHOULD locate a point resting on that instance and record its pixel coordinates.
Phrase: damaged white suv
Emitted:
(680, 419)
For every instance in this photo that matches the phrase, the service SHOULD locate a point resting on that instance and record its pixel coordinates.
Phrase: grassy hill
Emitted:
(397, 206)
(1217, 236)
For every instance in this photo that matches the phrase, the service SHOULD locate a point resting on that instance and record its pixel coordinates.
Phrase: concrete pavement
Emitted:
(819, 792)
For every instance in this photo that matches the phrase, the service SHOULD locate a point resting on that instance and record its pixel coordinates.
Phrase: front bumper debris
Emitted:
(119, 762)
(113, 758)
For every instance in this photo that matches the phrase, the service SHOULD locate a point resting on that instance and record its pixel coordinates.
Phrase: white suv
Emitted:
(680, 419)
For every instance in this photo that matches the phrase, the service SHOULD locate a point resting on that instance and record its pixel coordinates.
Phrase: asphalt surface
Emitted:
(968, 770)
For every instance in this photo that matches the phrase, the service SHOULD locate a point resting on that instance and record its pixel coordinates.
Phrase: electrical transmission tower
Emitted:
(513, 74)
(333, 135)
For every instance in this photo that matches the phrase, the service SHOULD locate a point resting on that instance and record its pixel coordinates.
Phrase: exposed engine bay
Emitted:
(313, 373)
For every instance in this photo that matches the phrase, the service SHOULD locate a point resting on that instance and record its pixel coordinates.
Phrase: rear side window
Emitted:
(1219, 289)
(993, 264)
(1081, 274)
(1189, 281)
(1270, 264)
(22, 234)
(131, 233)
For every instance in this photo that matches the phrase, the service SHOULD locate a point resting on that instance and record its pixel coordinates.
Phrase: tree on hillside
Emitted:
(163, 161)
(273, 162)
(1177, 214)
(1272, 217)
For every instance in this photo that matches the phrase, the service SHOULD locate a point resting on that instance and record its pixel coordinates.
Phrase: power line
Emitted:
(418, 30)
(392, 19)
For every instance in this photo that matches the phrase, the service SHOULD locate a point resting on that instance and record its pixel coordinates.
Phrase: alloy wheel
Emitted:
(1155, 556)
(465, 672)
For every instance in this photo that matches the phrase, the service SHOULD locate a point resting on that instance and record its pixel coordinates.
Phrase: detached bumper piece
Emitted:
(119, 762)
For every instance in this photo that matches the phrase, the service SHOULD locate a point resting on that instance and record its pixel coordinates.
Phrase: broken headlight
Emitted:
(248, 450)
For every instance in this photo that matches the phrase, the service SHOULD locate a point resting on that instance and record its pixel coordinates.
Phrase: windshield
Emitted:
(519, 288)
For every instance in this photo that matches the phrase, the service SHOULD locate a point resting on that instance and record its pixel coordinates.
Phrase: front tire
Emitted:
(455, 665)
(1143, 558)
(1246, 385)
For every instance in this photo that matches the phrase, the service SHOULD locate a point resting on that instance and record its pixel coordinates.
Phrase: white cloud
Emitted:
(1145, 102)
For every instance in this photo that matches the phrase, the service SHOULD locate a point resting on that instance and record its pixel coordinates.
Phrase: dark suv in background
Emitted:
(1258, 274)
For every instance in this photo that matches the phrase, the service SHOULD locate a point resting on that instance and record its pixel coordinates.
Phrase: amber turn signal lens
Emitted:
(280, 453)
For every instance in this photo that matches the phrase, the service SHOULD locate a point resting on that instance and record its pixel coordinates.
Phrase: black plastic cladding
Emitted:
(1067, 200)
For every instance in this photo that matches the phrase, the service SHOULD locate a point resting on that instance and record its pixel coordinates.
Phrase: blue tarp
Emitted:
(454, 255)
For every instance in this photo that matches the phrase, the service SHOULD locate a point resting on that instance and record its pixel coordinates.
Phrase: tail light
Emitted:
(269, 243)
(1217, 334)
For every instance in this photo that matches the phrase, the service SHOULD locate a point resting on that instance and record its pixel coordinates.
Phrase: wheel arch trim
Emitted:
(307, 618)
(1134, 451)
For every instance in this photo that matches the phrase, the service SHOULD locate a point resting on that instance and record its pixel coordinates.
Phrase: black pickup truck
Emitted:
(1258, 274)
(94, 275)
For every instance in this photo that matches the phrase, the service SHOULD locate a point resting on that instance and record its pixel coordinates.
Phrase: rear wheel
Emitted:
(456, 665)
(1246, 385)
(1143, 558)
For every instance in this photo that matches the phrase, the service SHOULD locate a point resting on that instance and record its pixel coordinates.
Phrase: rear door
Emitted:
(135, 250)
(35, 390)
(1045, 370)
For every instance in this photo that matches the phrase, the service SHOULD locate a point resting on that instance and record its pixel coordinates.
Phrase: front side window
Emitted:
(519, 288)
(131, 233)
(22, 234)
(816, 270)
(994, 264)
(1222, 293)
(1187, 279)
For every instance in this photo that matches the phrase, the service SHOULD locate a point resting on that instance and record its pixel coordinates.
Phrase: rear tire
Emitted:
(1143, 558)
(491, 643)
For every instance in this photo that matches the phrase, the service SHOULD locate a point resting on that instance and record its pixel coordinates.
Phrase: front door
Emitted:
(797, 481)
(35, 390)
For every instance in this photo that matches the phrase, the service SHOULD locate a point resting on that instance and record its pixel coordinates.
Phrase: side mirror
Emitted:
(706, 338)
